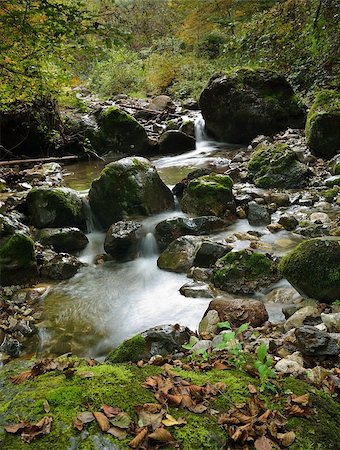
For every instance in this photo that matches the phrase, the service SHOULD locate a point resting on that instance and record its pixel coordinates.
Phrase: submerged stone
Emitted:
(122, 239)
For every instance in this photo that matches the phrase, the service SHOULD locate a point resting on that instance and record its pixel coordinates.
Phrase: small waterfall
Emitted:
(90, 220)
(200, 133)
(149, 246)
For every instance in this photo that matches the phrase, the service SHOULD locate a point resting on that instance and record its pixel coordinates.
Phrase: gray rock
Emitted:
(173, 141)
(207, 327)
(332, 322)
(179, 256)
(59, 266)
(311, 313)
(161, 103)
(258, 214)
(312, 342)
(209, 252)
(289, 223)
(62, 239)
(333, 181)
(196, 289)
(201, 346)
(122, 239)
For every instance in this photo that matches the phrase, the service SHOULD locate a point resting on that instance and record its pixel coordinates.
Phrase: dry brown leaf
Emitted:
(252, 389)
(46, 406)
(263, 443)
(243, 418)
(263, 417)
(148, 418)
(301, 400)
(161, 435)
(15, 427)
(40, 428)
(117, 433)
(198, 409)
(109, 411)
(85, 417)
(91, 362)
(286, 439)
(295, 410)
(85, 374)
(218, 365)
(136, 442)
(175, 399)
(122, 420)
(102, 421)
(22, 377)
(171, 421)
(78, 424)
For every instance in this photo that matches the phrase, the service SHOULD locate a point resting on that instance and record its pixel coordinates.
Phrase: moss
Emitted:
(276, 165)
(313, 268)
(17, 250)
(330, 194)
(130, 350)
(336, 168)
(323, 124)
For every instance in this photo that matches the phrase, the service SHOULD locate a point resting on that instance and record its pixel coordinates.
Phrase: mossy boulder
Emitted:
(209, 195)
(277, 166)
(173, 141)
(245, 103)
(128, 188)
(55, 207)
(133, 349)
(323, 124)
(62, 239)
(313, 268)
(179, 256)
(17, 260)
(118, 132)
(336, 168)
(245, 272)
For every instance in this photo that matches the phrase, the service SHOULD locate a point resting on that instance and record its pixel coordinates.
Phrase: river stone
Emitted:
(188, 127)
(333, 181)
(309, 314)
(207, 327)
(173, 141)
(127, 188)
(58, 207)
(118, 131)
(258, 214)
(209, 195)
(196, 289)
(179, 256)
(239, 310)
(288, 222)
(332, 322)
(62, 239)
(180, 187)
(59, 266)
(313, 268)
(319, 217)
(160, 340)
(277, 166)
(17, 260)
(122, 239)
(292, 364)
(161, 103)
(323, 124)
(11, 223)
(312, 342)
(170, 229)
(245, 103)
(245, 272)
(209, 252)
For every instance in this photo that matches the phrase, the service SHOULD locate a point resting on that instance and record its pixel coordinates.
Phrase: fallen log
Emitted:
(147, 110)
(19, 162)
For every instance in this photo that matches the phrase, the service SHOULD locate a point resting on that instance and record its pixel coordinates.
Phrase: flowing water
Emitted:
(104, 304)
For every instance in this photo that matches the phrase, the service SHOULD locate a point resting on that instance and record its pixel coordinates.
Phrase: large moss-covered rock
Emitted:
(62, 239)
(172, 142)
(323, 124)
(313, 268)
(127, 188)
(118, 132)
(209, 195)
(17, 260)
(58, 207)
(245, 271)
(245, 103)
(277, 166)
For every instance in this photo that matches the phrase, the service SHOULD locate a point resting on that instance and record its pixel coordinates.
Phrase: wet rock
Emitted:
(179, 188)
(188, 127)
(173, 141)
(279, 198)
(200, 274)
(170, 229)
(207, 327)
(201, 346)
(209, 252)
(48, 173)
(258, 214)
(196, 289)
(332, 322)
(58, 207)
(59, 266)
(245, 272)
(17, 260)
(238, 311)
(333, 181)
(126, 188)
(312, 268)
(275, 227)
(11, 222)
(209, 195)
(323, 124)
(319, 217)
(160, 340)
(309, 315)
(62, 239)
(179, 256)
(283, 295)
(288, 222)
(277, 166)
(312, 342)
(117, 131)
(122, 239)
(11, 346)
(246, 103)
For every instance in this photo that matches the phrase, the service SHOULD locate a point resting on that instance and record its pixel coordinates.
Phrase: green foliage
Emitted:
(264, 364)
(231, 343)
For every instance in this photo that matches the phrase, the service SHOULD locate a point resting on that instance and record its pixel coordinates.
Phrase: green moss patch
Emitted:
(130, 350)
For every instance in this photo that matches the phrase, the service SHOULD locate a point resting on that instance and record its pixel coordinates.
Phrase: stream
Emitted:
(104, 304)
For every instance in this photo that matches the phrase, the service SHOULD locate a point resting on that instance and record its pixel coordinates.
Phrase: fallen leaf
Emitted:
(175, 399)
(198, 409)
(286, 439)
(109, 411)
(91, 362)
(263, 443)
(150, 414)
(252, 389)
(15, 427)
(46, 406)
(122, 420)
(102, 420)
(22, 377)
(78, 424)
(85, 374)
(171, 421)
(301, 400)
(218, 365)
(136, 442)
(161, 435)
(86, 417)
(117, 433)
(40, 428)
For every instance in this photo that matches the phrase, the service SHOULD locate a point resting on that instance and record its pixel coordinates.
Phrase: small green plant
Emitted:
(264, 364)
(200, 352)
(232, 344)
